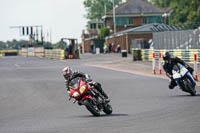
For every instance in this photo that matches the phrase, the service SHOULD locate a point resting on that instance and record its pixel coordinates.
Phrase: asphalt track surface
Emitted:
(33, 100)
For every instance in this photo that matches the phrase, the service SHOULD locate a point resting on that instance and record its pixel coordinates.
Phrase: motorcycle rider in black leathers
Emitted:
(169, 63)
(69, 75)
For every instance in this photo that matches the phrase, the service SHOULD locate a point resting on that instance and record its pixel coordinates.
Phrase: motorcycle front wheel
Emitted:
(189, 87)
(89, 104)
(107, 109)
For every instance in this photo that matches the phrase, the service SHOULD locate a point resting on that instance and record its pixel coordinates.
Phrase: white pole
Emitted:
(114, 16)
(153, 63)
(160, 63)
(195, 66)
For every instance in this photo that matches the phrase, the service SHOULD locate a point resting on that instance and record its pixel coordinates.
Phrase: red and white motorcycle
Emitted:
(87, 95)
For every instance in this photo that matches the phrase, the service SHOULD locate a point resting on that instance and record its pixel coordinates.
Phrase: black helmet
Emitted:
(166, 56)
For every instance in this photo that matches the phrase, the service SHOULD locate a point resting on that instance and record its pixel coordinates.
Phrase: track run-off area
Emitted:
(33, 100)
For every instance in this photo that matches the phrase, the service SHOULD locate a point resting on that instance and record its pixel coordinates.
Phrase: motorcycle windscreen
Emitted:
(183, 70)
(176, 75)
(74, 84)
(175, 72)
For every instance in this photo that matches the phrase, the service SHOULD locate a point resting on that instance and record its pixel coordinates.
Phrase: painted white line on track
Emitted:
(133, 72)
(17, 65)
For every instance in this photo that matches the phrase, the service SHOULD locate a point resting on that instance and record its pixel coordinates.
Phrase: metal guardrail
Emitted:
(184, 54)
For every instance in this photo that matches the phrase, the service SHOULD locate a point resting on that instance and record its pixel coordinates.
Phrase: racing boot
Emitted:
(99, 88)
(172, 84)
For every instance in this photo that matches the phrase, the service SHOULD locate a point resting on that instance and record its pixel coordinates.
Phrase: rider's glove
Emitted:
(68, 90)
(87, 76)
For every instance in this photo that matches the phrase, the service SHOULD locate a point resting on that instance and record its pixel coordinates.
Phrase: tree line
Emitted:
(15, 44)
(185, 13)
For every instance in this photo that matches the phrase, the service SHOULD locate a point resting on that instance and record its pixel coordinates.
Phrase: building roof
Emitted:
(154, 27)
(136, 7)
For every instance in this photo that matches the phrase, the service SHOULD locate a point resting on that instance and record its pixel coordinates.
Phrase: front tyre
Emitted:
(107, 109)
(89, 104)
(190, 87)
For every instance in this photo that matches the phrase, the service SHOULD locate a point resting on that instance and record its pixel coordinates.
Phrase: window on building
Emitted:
(93, 26)
(130, 21)
(99, 26)
(152, 19)
(121, 21)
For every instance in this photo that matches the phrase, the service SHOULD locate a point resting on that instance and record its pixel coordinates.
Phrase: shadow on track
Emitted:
(187, 95)
(104, 115)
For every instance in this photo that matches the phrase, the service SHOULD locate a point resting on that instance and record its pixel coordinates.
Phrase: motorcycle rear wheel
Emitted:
(91, 107)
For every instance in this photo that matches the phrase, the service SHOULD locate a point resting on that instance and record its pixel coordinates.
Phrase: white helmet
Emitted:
(67, 72)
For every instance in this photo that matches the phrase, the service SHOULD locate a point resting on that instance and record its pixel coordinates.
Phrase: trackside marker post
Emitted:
(154, 63)
(160, 63)
(195, 67)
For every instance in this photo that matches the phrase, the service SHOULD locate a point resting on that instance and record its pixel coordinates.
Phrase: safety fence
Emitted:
(185, 54)
(8, 52)
(55, 54)
(35, 51)
(182, 39)
(32, 51)
(41, 52)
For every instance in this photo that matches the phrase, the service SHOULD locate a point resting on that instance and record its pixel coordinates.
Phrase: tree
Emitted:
(97, 8)
(2, 45)
(60, 45)
(104, 32)
(186, 13)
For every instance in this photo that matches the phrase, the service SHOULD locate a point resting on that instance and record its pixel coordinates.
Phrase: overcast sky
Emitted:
(65, 18)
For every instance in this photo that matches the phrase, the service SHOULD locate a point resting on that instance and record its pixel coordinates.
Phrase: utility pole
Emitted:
(114, 22)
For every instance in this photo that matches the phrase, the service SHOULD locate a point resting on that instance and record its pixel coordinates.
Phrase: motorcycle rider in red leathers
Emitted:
(69, 75)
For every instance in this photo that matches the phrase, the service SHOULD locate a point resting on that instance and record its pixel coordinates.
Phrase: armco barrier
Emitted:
(37, 51)
(184, 54)
(55, 54)
(9, 52)
(41, 52)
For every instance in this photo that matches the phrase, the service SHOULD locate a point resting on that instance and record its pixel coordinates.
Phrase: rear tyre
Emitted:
(92, 107)
(107, 109)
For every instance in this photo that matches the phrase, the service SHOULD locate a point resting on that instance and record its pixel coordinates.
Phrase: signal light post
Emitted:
(31, 31)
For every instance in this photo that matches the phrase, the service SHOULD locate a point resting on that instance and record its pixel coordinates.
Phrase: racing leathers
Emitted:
(168, 67)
